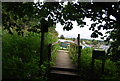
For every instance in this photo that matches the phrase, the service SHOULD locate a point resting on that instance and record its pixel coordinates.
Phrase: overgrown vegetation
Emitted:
(54, 50)
(21, 55)
(73, 52)
(111, 71)
(15, 16)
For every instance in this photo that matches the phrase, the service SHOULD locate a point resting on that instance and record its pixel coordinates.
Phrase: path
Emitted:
(63, 60)
(64, 69)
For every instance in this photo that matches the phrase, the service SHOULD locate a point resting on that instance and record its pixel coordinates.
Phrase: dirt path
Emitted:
(63, 60)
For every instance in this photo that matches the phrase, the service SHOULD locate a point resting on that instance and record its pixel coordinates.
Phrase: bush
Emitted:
(21, 55)
(111, 71)
(73, 52)
(54, 52)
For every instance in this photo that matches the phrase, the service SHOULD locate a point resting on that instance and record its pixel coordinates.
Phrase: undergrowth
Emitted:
(21, 55)
(111, 70)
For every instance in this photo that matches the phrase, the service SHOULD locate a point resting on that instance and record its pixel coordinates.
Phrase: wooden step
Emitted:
(64, 69)
(66, 73)
(63, 74)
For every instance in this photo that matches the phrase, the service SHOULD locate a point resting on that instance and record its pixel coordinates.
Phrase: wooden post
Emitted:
(44, 28)
(49, 52)
(78, 43)
(79, 50)
(79, 55)
(49, 57)
(92, 68)
(41, 49)
(78, 39)
(103, 64)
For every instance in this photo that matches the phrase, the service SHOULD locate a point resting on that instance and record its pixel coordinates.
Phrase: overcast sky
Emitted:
(84, 32)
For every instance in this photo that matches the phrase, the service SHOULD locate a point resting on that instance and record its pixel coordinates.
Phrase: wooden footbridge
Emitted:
(64, 69)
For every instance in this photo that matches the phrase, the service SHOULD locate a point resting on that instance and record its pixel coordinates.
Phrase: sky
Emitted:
(84, 32)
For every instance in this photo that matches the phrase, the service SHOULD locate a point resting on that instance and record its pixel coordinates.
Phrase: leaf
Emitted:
(94, 35)
(100, 33)
(99, 27)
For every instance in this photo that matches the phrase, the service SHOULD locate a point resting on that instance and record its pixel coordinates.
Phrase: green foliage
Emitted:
(62, 37)
(111, 70)
(15, 15)
(20, 56)
(73, 52)
(54, 52)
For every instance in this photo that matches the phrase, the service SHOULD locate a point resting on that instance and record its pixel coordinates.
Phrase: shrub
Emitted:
(21, 55)
(73, 52)
(111, 71)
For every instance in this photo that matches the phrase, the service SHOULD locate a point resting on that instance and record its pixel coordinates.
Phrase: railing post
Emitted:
(49, 58)
(103, 65)
(49, 52)
(79, 50)
(79, 55)
(92, 67)
(41, 52)
(78, 39)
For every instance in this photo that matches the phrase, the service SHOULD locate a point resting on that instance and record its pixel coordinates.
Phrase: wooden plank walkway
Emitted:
(63, 60)
(64, 69)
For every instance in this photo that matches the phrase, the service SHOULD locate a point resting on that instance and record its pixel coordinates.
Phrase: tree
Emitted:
(62, 37)
(65, 14)
(95, 42)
